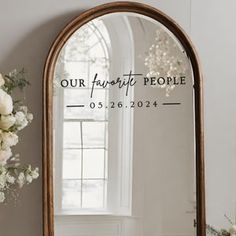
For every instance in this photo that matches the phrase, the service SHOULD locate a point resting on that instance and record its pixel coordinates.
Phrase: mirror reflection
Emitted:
(123, 125)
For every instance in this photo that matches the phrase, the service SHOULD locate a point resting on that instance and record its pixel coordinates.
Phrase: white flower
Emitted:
(2, 197)
(21, 179)
(9, 139)
(21, 121)
(20, 116)
(10, 179)
(5, 155)
(7, 121)
(12, 119)
(30, 117)
(35, 173)
(2, 81)
(232, 230)
(6, 103)
(2, 181)
(29, 178)
(3, 169)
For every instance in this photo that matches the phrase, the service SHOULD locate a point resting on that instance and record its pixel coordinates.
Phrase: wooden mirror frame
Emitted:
(48, 209)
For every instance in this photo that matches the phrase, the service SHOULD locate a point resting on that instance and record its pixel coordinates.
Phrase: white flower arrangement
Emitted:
(14, 117)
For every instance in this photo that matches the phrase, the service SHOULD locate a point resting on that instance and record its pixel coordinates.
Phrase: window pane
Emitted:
(72, 135)
(72, 164)
(79, 43)
(84, 158)
(96, 51)
(91, 43)
(93, 163)
(100, 67)
(94, 134)
(71, 195)
(82, 97)
(77, 70)
(102, 28)
(93, 194)
(106, 165)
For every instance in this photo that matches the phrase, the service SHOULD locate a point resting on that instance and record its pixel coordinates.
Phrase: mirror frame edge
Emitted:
(47, 165)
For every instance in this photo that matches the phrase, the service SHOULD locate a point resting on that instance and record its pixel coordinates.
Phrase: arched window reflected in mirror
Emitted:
(90, 173)
(83, 177)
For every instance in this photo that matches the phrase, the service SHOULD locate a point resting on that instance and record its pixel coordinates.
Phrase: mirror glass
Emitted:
(123, 131)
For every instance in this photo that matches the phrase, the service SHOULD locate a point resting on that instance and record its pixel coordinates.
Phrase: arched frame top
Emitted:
(65, 34)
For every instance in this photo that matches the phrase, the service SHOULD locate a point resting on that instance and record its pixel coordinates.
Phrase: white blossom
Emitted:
(6, 103)
(232, 230)
(20, 116)
(21, 179)
(30, 117)
(3, 181)
(10, 179)
(7, 121)
(28, 178)
(30, 174)
(21, 120)
(2, 197)
(35, 173)
(5, 155)
(8, 139)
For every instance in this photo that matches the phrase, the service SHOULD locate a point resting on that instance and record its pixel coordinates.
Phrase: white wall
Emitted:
(27, 29)
(214, 33)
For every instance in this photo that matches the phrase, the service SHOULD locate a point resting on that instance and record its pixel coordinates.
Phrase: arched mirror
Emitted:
(123, 140)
